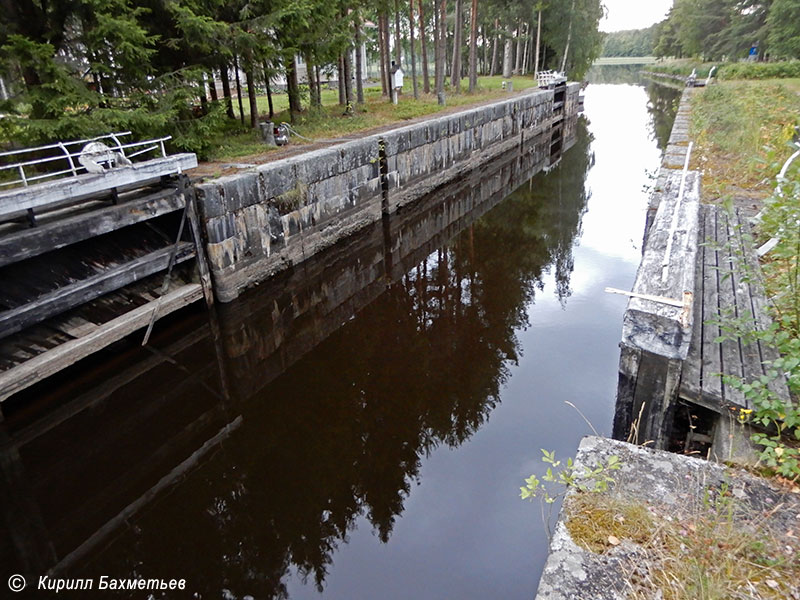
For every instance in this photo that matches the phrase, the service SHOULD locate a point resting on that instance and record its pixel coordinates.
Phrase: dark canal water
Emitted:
(360, 428)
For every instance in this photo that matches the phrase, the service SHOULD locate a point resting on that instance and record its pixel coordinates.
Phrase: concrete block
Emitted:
(220, 228)
(318, 165)
(276, 178)
(210, 200)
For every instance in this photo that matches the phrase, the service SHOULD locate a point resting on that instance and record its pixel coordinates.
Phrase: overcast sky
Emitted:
(633, 14)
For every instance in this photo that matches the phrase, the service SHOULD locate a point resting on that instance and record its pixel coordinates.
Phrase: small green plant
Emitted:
(558, 480)
(590, 479)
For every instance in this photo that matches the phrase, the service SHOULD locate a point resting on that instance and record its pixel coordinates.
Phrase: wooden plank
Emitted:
(731, 353)
(752, 367)
(52, 361)
(38, 240)
(202, 264)
(78, 293)
(760, 308)
(82, 186)
(712, 352)
(76, 326)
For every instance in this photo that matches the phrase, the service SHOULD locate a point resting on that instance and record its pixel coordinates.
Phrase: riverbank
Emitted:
(742, 132)
(272, 216)
(619, 544)
(324, 125)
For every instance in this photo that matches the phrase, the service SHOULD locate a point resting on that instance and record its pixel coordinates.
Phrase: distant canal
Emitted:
(359, 428)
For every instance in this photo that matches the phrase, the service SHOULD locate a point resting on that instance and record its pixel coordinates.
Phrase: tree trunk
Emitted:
(398, 54)
(387, 40)
(440, 46)
(313, 86)
(538, 44)
(527, 46)
(347, 62)
(507, 55)
(426, 85)
(569, 39)
(436, 61)
(269, 90)
(292, 88)
(455, 69)
(212, 87)
(359, 65)
(226, 91)
(473, 49)
(340, 71)
(251, 97)
(518, 57)
(382, 52)
(238, 88)
(411, 48)
(494, 47)
(485, 45)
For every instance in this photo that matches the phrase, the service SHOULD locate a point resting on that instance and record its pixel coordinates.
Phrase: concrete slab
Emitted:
(667, 484)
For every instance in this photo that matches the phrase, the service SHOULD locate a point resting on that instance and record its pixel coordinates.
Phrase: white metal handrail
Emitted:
(547, 78)
(60, 144)
(24, 179)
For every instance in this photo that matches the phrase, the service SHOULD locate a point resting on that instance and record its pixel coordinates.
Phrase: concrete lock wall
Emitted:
(262, 221)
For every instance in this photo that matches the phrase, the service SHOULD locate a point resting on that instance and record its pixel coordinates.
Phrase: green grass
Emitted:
(741, 130)
(328, 121)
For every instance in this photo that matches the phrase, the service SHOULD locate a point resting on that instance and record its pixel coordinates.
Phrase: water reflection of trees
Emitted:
(341, 434)
(615, 74)
(662, 106)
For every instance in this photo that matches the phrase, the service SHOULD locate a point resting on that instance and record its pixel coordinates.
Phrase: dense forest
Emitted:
(728, 29)
(632, 42)
(75, 68)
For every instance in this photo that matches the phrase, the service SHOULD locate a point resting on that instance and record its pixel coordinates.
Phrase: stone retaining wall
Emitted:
(259, 222)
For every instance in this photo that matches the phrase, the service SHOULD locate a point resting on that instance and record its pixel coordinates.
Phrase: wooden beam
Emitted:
(52, 361)
(82, 186)
(78, 293)
(38, 240)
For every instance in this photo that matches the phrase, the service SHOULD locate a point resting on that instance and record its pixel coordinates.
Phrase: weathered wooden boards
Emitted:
(731, 290)
(82, 291)
(64, 190)
(60, 357)
(31, 242)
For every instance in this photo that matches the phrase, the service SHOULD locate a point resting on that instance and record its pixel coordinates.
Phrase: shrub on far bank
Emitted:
(757, 70)
(728, 71)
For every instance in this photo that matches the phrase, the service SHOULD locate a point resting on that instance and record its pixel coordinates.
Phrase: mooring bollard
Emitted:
(268, 133)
